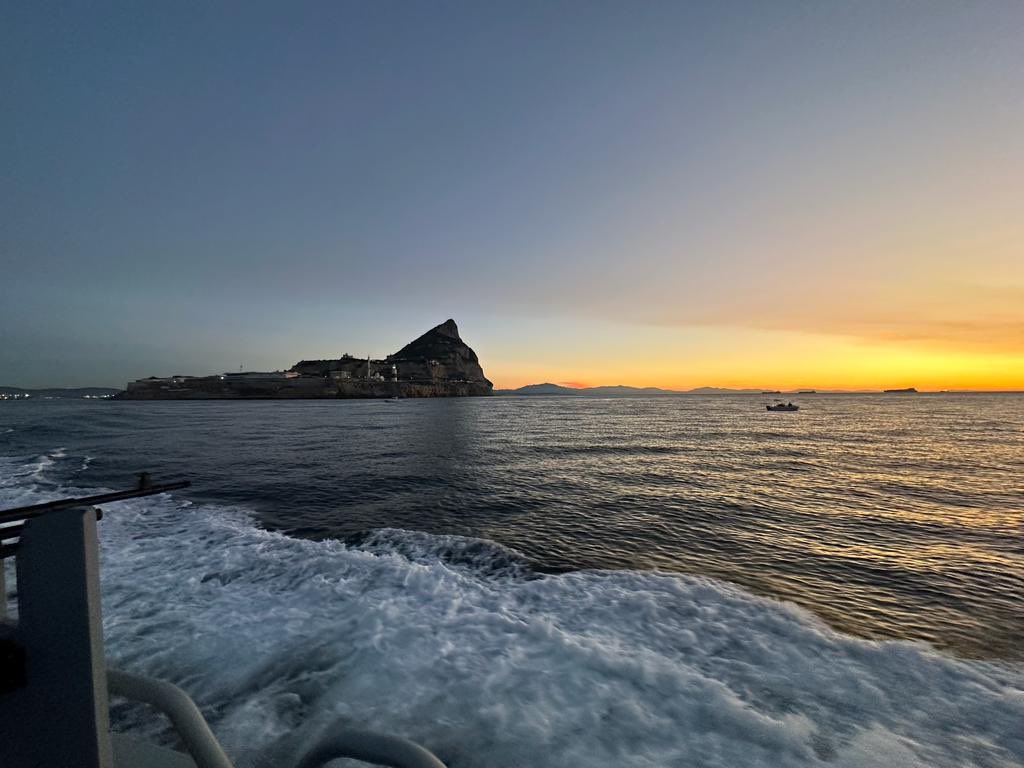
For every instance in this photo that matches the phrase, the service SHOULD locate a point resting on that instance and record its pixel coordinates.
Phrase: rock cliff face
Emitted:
(437, 364)
(439, 354)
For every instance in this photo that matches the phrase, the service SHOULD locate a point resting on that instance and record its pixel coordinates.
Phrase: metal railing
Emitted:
(12, 521)
(144, 488)
(369, 747)
(188, 721)
(59, 567)
(206, 752)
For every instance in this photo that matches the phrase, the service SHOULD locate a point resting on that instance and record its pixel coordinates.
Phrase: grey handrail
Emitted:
(188, 721)
(144, 488)
(370, 747)
(206, 751)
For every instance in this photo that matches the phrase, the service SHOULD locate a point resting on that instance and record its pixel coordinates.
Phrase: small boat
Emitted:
(783, 407)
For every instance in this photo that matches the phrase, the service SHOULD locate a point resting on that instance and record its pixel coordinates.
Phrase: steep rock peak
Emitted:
(441, 340)
(440, 353)
(447, 328)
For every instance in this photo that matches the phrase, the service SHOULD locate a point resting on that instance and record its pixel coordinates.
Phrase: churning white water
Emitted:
(487, 665)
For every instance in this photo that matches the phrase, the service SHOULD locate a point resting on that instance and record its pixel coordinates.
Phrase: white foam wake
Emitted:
(277, 637)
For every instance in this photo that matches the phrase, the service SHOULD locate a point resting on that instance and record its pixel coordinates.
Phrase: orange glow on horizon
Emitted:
(683, 359)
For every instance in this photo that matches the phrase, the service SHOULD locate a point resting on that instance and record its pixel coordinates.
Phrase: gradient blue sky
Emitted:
(646, 193)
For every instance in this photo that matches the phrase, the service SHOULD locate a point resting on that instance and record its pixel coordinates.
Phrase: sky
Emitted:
(737, 194)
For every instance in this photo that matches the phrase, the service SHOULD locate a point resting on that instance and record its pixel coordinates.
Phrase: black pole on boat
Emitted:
(145, 487)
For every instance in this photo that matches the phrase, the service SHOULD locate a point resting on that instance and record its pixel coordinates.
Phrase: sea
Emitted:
(563, 581)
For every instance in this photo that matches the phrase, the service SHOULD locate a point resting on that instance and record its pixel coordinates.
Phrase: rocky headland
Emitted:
(437, 364)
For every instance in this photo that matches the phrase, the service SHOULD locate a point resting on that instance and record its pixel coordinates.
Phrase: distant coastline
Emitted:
(58, 393)
(546, 389)
(619, 390)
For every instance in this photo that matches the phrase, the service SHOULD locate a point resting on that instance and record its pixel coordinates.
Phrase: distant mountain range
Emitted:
(73, 393)
(619, 391)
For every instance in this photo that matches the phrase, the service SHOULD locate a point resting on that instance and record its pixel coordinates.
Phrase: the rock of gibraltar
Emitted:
(437, 364)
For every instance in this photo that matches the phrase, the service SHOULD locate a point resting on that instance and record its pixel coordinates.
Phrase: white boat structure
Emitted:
(55, 684)
(780, 406)
(394, 378)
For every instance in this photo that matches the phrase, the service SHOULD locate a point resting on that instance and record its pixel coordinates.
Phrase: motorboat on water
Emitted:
(780, 406)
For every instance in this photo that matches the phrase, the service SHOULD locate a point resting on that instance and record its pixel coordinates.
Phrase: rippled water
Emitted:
(887, 516)
(524, 581)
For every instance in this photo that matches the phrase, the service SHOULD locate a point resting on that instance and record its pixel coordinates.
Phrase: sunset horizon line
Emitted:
(668, 389)
(815, 389)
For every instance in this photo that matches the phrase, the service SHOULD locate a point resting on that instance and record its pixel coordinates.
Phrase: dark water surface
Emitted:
(887, 516)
